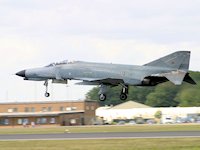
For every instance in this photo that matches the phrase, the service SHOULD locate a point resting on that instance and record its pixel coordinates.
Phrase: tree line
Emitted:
(162, 95)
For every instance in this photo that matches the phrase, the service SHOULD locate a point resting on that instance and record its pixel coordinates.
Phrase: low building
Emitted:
(131, 110)
(126, 110)
(48, 113)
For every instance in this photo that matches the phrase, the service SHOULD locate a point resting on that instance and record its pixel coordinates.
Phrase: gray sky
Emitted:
(34, 33)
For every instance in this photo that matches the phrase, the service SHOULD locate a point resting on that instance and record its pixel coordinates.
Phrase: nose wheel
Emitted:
(47, 94)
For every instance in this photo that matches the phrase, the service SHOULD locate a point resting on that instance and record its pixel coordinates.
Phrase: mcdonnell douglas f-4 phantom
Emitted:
(173, 67)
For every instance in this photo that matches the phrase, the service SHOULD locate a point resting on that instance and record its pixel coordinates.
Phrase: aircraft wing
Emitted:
(106, 81)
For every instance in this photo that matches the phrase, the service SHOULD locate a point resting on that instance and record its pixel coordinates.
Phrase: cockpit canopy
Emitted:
(61, 63)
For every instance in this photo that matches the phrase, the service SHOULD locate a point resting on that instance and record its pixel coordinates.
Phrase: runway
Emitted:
(79, 136)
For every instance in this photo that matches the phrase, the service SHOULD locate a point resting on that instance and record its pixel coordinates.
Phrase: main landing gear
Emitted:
(46, 92)
(124, 92)
(102, 97)
(103, 90)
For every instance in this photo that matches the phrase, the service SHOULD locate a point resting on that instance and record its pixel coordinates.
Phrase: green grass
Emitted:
(117, 144)
(108, 144)
(90, 129)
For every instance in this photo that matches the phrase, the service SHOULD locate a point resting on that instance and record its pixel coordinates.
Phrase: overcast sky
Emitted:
(34, 33)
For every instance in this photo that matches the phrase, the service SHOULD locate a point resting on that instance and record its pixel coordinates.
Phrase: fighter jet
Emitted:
(173, 67)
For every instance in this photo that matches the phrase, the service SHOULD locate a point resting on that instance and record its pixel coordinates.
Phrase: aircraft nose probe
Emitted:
(21, 73)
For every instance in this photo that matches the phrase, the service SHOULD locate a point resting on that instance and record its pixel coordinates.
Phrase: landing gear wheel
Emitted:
(102, 97)
(47, 94)
(123, 96)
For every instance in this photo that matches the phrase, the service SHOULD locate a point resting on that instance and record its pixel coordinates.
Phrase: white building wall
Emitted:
(109, 114)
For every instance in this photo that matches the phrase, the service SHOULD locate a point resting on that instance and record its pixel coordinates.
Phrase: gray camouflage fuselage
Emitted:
(95, 72)
(173, 67)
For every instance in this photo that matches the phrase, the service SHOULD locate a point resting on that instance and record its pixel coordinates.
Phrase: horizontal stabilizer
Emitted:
(175, 77)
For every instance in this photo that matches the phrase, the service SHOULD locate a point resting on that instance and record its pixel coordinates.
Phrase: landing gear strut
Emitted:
(46, 92)
(124, 92)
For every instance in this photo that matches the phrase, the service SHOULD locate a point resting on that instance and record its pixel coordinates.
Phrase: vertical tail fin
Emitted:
(178, 63)
(178, 60)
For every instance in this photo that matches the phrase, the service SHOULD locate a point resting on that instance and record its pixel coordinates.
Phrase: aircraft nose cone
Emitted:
(21, 73)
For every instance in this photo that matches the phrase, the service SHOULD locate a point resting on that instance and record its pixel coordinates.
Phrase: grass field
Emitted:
(108, 144)
(90, 129)
(117, 144)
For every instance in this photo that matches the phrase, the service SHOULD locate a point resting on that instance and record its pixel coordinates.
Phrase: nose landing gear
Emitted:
(46, 92)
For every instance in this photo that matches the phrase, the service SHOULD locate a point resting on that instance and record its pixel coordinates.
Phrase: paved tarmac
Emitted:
(78, 136)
